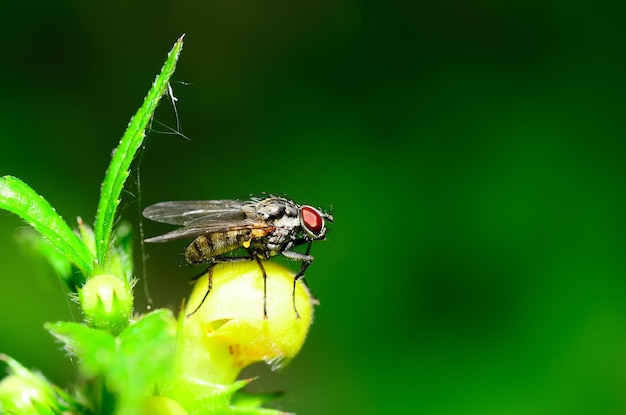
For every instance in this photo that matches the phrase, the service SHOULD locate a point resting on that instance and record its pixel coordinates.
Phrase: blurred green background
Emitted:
(472, 153)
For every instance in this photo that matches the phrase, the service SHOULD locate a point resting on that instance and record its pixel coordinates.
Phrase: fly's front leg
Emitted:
(306, 260)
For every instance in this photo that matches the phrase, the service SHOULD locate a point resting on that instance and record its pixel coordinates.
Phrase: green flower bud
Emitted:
(26, 392)
(19, 395)
(107, 303)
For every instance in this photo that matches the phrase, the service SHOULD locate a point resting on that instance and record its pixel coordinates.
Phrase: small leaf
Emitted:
(243, 399)
(39, 245)
(150, 343)
(201, 397)
(95, 348)
(147, 347)
(121, 254)
(19, 198)
(118, 169)
(130, 364)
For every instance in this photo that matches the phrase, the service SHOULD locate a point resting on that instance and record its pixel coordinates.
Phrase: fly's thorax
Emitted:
(286, 229)
(275, 208)
(285, 225)
(284, 217)
(215, 244)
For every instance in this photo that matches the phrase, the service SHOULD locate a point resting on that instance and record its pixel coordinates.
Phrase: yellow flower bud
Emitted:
(229, 331)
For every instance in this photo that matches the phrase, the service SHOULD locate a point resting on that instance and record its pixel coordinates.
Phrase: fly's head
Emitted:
(313, 222)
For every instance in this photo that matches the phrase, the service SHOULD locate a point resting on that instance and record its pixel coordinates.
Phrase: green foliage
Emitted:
(57, 260)
(201, 397)
(19, 198)
(129, 364)
(125, 366)
(118, 170)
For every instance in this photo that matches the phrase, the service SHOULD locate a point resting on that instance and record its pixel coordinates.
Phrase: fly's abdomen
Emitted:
(212, 245)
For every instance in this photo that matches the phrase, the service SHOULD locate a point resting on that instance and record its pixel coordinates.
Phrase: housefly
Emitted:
(264, 227)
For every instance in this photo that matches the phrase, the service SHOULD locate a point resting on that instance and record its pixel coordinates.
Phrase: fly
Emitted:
(264, 227)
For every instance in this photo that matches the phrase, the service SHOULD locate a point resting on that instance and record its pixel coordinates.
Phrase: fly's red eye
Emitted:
(312, 220)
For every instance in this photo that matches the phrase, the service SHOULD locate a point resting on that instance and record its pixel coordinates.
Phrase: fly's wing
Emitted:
(203, 218)
(212, 227)
(186, 212)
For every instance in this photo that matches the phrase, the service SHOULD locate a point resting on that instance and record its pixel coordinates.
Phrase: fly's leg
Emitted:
(300, 273)
(209, 270)
(258, 261)
(306, 260)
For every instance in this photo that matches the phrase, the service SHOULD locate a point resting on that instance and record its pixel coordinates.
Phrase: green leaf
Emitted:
(148, 349)
(17, 197)
(118, 169)
(198, 396)
(38, 245)
(95, 348)
(130, 364)
(201, 397)
(121, 256)
(245, 400)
